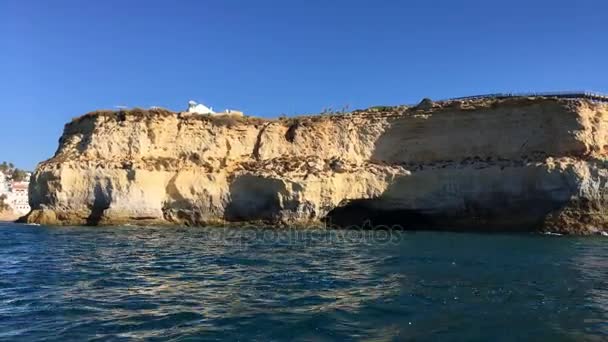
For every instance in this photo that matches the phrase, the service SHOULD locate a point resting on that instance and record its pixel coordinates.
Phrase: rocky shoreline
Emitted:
(515, 164)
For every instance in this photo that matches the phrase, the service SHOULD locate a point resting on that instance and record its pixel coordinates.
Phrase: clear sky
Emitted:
(60, 59)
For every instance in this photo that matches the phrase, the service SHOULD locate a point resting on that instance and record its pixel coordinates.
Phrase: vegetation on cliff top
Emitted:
(12, 172)
(122, 114)
(219, 119)
(230, 120)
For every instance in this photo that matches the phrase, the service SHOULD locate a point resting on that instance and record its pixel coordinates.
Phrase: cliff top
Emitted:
(426, 105)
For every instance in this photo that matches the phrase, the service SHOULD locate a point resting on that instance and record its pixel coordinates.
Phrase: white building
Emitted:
(16, 193)
(18, 197)
(199, 108)
(233, 112)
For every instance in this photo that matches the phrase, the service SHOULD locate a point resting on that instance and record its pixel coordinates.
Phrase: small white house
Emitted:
(18, 197)
(199, 108)
(233, 112)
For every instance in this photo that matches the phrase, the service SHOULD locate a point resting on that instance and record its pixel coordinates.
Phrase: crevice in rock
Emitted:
(100, 204)
(290, 135)
(258, 141)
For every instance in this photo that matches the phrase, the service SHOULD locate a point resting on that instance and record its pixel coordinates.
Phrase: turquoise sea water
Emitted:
(130, 283)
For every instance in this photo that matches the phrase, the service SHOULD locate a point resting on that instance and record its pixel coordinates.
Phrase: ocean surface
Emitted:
(135, 283)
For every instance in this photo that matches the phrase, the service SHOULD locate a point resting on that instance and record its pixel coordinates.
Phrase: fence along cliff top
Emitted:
(557, 94)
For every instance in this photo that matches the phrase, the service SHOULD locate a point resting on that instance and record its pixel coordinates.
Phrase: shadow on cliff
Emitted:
(407, 205)
(476, 190)
(518, 130)
(82, 127)
(392, 146)
(254, 198)
(101, 202)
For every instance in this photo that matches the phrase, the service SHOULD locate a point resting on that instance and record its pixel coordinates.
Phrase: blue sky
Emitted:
(60, 59)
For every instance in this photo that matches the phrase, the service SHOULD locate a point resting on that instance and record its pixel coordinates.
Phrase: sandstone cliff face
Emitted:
(8, 215)
(515, 164)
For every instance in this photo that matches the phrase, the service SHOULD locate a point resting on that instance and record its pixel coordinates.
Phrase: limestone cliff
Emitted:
(509, 164)
(8, 215)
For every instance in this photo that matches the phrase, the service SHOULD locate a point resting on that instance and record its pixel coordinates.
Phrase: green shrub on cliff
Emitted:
(123, 113)
(12, 172)
(229, 120)
(381, 108)
(3, 205)
(19, 175)
(6, 167)
(226, 120)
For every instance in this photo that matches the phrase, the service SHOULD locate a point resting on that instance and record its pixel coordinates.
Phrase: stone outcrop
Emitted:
(508, 164)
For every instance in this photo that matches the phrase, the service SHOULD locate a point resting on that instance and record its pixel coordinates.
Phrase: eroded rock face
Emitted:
(8, 215)
(514, 164)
